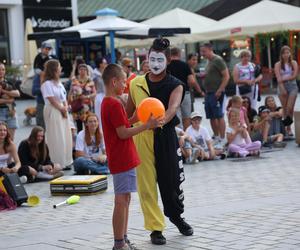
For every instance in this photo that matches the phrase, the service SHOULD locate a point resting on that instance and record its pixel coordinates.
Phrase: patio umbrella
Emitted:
(107, 20)
(175, 18)
(264, 16)
(30, 51)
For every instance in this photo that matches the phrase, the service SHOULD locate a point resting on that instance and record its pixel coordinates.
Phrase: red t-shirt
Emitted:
(121, 153)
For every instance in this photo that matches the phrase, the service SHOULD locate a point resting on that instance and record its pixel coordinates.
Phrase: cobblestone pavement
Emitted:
(251, 204)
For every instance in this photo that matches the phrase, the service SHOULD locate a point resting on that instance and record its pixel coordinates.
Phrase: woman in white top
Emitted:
(90, 151)
(286, 71)
(244, 78)
(240, 144)
(9, 159)
(58, 129)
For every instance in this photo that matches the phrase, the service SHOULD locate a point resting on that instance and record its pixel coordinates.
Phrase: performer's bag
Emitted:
(15, 188)
(78, 184)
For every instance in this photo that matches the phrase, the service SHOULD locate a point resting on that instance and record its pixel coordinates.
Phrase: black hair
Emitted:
(98, 61)
(160, 44)
(191, 55)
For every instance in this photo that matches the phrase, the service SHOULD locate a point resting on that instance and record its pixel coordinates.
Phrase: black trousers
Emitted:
(169, 169)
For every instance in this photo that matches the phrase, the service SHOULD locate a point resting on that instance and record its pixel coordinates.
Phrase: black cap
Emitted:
(263, 109)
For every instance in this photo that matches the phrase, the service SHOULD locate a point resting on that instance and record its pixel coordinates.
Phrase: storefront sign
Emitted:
(48, 15)
(41, 23)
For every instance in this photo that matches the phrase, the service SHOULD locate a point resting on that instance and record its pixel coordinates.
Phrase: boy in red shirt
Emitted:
(121, 152)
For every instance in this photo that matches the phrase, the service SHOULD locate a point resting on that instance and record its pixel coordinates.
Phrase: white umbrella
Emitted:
(107, 20)
(175, 18)
(264, 16)
(84, 33)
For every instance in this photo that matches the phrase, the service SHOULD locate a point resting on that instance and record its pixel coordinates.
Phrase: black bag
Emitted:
(245, 89)
(257, 70)
(15, 188)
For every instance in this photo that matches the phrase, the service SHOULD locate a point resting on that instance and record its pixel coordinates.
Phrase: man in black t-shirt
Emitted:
(182, 71)
(38, 66)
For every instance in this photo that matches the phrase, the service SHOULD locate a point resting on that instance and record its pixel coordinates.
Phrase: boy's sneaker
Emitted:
(125, 247)
(132, 246)
(23, 179)
(182, 226)
(157, 238)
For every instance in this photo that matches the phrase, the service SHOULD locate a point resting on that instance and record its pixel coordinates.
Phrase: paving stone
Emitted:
(231, 205)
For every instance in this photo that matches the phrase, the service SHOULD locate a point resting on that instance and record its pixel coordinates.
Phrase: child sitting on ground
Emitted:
(202, 140)
(261, 130)
(189, 153)
(240, 144)
(237, 103)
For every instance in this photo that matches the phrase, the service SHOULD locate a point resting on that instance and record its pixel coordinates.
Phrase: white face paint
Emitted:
(157, 62)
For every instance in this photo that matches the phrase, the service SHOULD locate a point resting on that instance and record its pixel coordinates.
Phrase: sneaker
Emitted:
(219, 146)
(195, 155)
(44, 176)
(58, 174)
(267, 145)
(223, 156)
(216, 139)
(157, 238)
(125, 247)
(132, 246)
(69, 167)
(279, 144)
(23, 179)
(182, 226)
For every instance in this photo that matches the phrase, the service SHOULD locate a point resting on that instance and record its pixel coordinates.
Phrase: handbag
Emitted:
(245, 89)
(76, 105)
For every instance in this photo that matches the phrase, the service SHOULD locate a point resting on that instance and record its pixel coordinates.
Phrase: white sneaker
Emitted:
(216, 139)
(44, 175)
(23, 179)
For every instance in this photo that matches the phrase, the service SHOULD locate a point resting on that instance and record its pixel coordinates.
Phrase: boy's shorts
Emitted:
(125, 182)
(187, 145)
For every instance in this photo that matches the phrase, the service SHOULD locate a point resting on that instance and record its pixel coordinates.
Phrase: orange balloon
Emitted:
(150, 106)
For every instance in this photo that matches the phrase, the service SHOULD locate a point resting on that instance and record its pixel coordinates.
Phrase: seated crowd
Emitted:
(247, 131)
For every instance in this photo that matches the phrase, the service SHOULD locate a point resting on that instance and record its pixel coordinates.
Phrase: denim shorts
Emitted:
(214, 108)
(11, 121)
(125, 182)
(291, 88)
